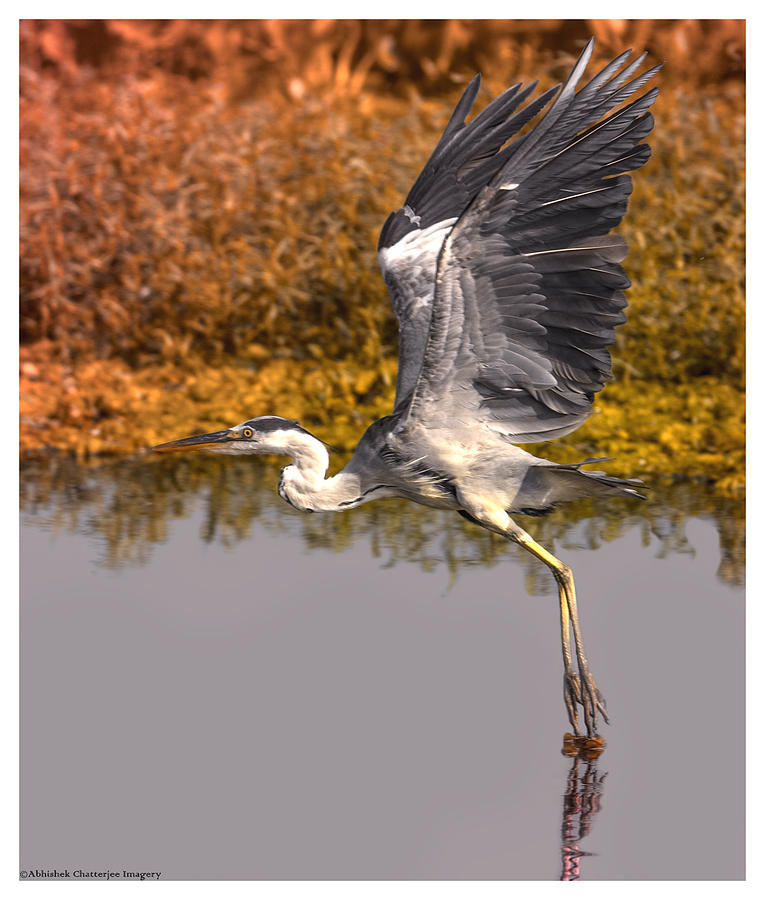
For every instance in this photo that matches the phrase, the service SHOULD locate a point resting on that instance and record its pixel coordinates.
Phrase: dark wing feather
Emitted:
(464, 160)
(529, 285)
(453, 175)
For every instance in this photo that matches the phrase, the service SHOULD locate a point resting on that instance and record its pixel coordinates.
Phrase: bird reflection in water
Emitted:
(581, 801)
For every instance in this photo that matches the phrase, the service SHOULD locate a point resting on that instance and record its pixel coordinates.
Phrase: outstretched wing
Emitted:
(528, 284)
(465, 159)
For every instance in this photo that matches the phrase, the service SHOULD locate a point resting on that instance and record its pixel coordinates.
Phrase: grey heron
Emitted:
(507, 286)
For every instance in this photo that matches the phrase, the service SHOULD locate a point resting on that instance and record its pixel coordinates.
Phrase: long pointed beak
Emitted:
(198, 441)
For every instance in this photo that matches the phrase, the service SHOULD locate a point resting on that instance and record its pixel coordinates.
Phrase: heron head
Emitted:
(264, 434)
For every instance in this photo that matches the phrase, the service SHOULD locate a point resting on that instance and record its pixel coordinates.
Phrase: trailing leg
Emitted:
(579, 688)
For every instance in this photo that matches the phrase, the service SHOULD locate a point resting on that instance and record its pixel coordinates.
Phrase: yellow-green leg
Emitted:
(577, 688)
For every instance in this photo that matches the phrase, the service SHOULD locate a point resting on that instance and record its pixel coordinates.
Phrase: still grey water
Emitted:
(214, 686)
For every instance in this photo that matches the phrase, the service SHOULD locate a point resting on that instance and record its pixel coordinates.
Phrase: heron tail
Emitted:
(575, 482)
(548, 484)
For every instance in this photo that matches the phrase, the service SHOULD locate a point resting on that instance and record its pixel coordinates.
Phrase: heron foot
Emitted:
(581, 690)
(593, 703)
(572, 696)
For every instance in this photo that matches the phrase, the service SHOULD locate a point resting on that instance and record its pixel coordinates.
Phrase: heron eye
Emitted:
(247, 432)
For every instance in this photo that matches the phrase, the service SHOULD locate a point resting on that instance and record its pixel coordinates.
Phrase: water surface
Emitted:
(216, 686)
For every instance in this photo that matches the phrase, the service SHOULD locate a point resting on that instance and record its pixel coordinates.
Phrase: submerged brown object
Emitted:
(582, 747)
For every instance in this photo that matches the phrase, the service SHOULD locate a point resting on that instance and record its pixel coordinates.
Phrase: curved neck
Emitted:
(304, 484)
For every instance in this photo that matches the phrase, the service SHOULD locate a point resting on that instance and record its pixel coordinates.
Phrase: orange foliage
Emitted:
(205, 196)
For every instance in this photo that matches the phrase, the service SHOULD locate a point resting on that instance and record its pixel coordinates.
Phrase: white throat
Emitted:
(304, 484)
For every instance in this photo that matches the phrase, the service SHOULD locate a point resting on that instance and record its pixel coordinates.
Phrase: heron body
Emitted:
(507, 286)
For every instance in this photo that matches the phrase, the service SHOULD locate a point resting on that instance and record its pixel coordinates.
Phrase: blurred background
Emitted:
(201, 201)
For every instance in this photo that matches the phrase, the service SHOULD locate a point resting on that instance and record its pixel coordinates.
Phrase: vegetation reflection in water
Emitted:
(130, 504)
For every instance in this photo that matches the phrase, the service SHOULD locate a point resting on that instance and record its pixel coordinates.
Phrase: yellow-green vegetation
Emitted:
(196, 251)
